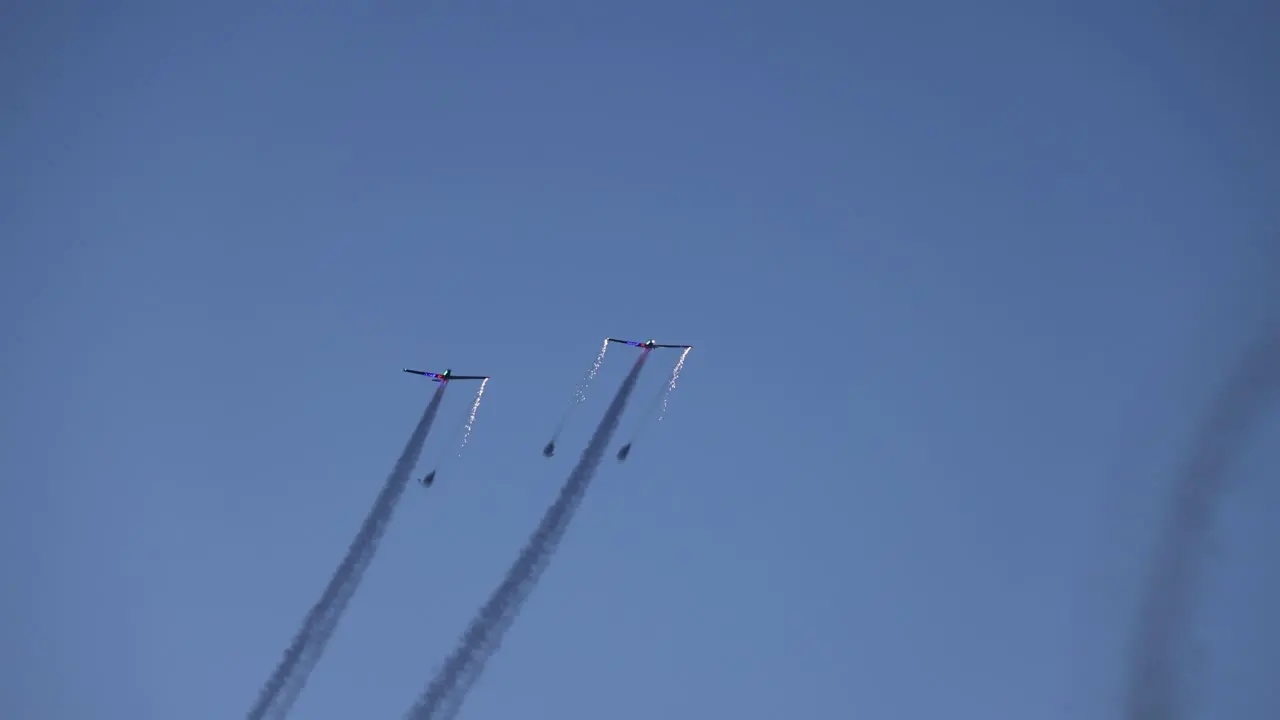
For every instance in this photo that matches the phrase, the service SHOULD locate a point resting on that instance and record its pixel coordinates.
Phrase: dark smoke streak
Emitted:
(1167, 601)
(290, 677)
(445, 694)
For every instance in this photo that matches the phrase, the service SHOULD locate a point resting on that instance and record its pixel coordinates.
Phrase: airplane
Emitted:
(446, 376)
(430, 478)
(624, 452)
(647, 344)
(550, 449)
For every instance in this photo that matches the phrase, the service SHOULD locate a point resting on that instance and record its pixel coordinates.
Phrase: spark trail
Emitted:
(675, 375)
(281, 690)
(445, 693)
(464, 431)
(579, 393)
(471, 419)
(1167, 602)
(659, 405)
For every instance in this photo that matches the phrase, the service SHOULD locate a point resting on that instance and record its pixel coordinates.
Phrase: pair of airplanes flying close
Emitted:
(448, 375)
(550, 449)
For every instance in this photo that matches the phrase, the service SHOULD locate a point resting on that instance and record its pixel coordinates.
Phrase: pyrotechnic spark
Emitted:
(471, 419)
(675, 375)
(580, 392)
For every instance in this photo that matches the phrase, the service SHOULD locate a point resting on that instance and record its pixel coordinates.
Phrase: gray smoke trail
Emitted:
(290, 677)
(1167, 600)
(444, 695)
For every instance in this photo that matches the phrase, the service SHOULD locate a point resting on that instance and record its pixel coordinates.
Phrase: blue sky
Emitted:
(960, 280)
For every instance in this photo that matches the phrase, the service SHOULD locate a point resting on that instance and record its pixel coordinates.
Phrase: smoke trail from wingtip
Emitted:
(580, 390)
(463, 432)
(281, 690)
(660, 400)
(445, 693)
(595, 369)
(1167, 601)
(471, 419)
(671, 386)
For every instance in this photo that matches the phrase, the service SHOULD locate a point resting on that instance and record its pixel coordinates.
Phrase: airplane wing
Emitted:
(637, 343)
(468, 377)
(433, 376)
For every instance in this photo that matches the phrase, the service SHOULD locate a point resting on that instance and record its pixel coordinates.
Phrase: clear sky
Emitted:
(961, 277)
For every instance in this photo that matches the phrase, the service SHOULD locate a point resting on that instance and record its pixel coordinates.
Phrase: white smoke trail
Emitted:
(285, 684)
(675, 375)
(659, 403)
(580, 390)
(471, 419)
(580, 393)
(445, 693)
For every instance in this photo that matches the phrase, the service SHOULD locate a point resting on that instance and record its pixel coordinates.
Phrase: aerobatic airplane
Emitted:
(446, 376)
(647, 344)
